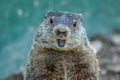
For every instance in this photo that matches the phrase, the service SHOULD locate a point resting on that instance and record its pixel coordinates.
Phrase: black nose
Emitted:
(61, 33)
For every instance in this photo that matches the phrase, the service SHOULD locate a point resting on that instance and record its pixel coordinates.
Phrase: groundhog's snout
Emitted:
(61, 33)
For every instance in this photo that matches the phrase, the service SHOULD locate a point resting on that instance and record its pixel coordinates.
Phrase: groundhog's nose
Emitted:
(61, 33)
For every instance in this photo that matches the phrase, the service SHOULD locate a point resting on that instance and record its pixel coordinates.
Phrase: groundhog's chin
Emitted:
(61, 42)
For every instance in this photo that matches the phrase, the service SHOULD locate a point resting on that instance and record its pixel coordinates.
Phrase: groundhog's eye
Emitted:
(74, 24)
(51, 21)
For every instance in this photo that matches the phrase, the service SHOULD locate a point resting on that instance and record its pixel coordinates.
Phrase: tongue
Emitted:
(61, 43)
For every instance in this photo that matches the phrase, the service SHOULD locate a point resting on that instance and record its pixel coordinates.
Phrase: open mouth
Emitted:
(61, 42)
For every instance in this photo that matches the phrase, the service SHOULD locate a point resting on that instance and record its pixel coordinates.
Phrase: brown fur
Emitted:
(50, 64)
(76, 61)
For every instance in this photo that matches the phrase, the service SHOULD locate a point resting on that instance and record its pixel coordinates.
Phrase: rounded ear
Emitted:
(81, 16)
(48, 14)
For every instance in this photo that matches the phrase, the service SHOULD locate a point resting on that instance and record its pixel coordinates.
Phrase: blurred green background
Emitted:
(19, 19)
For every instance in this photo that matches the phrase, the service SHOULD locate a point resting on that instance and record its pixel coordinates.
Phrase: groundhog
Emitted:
(61, 50)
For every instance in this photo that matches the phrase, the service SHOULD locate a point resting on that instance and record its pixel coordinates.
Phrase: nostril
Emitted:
(61, 33)
(57, 32)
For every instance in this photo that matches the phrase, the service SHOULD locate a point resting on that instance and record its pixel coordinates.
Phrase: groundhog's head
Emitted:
(61, 31)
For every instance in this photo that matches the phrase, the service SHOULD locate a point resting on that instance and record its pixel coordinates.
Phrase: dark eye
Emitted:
(75, 24)
(51, 21)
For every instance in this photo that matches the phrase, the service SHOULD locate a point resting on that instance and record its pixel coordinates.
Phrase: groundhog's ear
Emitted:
(80, 16)
(47, 14)
(50, 13)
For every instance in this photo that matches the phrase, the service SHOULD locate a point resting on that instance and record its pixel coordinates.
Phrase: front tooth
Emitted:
(61, 42)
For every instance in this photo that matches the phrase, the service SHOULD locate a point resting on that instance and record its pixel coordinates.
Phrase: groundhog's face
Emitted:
(61, 31)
